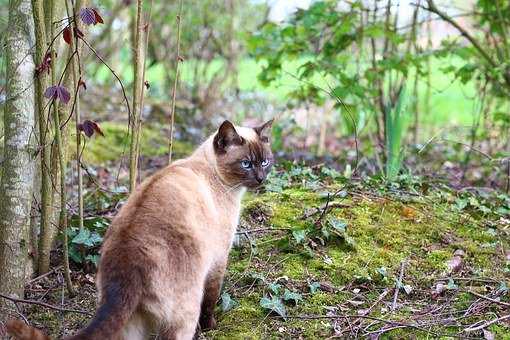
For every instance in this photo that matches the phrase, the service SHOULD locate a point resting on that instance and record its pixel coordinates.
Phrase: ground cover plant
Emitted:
(386, 215)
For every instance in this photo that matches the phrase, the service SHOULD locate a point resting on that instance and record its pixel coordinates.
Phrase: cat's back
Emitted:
(171, 196)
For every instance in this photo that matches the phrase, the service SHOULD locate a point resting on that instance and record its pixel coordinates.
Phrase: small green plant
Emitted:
(84, 244)
(396, 124)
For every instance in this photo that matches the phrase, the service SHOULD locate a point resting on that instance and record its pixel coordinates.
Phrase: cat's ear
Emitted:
(264, 130)
(226, 136)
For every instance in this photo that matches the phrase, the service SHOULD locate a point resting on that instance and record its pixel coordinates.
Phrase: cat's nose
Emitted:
(259, 176)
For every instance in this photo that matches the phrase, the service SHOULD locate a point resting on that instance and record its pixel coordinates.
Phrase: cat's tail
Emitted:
(120, 298)
(21, 331)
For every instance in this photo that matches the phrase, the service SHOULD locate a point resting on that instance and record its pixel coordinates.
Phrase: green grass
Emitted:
(452, 103)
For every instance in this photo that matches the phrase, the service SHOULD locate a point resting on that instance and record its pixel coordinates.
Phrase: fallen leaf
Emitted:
(408, 212)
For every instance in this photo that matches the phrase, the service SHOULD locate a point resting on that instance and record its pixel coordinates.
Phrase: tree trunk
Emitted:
(44, 145)
(18, 165)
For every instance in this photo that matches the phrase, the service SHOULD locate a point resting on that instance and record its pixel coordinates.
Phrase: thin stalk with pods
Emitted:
(176, 80)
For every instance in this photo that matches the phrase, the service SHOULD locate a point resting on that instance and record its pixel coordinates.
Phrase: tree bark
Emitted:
(19, 150)
(46, 231)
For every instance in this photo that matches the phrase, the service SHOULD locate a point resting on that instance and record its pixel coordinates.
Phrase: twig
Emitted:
(488, 298)
(486, 324)
(398, 285)
(176, 80)
(321, 208)
(318, 221)
(347, 316)
(35, 279)
(43, 304)
(250, 231)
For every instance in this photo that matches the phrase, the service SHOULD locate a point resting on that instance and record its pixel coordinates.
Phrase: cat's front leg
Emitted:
(212, 290)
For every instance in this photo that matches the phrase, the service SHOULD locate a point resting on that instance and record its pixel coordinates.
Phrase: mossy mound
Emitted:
(115, 144)
(346, 283)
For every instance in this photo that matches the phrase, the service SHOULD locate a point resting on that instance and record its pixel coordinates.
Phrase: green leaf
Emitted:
(274, 305)
(337, 224)
(314, 287)
(292, 296)
(275, 287)
(93, 258)
(227, 303)
(382, 271)
(75, 255)
(299, 235)
(452, 284)
(82, 237)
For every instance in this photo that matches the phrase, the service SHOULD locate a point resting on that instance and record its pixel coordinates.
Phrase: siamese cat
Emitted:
(164, 256)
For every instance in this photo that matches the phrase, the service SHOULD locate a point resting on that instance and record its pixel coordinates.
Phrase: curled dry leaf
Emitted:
(438, 290)
(82, 83)
(408, 212)
(99, 19)
(456, 262)
(89, 127)
(488, 335)
(45, 64)
(67, 34)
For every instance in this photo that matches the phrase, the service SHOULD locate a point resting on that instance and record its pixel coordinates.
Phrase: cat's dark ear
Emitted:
(226, 136)
(264, 130)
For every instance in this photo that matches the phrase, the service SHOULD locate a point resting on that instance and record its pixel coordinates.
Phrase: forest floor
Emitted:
(318, 255)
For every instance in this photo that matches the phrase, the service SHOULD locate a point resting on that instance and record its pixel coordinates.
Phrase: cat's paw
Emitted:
(207, 322)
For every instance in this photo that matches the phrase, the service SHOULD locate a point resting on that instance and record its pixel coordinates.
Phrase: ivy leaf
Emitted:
(93, 258)
(82, 237)
(338, 225)
(299, 235)
(227, 303)
(89, 127)
(292, 296)
(274, 305)
(451, 285)
(275, 287)
(314, 287)
(67, 35)
(58, 91)
(88, 239)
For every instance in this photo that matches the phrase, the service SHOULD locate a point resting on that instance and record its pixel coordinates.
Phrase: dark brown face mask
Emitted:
(244, 161)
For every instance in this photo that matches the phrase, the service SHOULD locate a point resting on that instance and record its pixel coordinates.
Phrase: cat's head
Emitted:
(243, 155)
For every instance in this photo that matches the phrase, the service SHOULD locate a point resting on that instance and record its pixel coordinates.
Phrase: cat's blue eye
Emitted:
(265, 163)
(246, 164)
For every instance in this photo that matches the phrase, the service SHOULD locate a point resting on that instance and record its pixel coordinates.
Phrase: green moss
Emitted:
(240, 322)
(425, 233)
(115, 143)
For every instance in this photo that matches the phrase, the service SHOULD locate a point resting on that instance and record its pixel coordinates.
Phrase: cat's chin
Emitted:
(254, 186)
